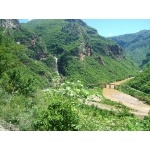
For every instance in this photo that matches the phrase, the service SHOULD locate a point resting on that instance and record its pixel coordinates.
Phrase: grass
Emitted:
(21, 111)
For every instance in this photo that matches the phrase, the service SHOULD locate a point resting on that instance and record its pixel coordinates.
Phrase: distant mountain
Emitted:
(82, 53)
(137, 45)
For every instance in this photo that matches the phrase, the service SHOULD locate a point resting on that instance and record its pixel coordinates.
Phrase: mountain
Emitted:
(42, 49)
(137, 45)
(21, 63)
(29, 57)
(82, 53)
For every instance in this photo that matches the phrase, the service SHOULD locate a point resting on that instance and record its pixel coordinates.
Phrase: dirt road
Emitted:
(139, 108)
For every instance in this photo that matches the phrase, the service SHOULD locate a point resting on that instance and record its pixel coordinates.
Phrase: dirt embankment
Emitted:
(139, 108)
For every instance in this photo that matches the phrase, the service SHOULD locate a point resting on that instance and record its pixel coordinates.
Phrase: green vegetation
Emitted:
(59, 115)
(136, 45)
(18, 72)
(142, 81)
(91, 71)
(62, 109)
(139, 87)
(146, 60)
(34, 97)
(69, 40)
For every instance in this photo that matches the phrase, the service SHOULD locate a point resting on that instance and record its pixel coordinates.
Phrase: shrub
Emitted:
(59, 115)
(59, 111)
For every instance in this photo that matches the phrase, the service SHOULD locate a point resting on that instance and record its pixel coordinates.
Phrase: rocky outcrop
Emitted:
(116, 52)
(85, 50)
(9, 23)
(23, 36)
(81, 56)
(100, 60)
(33, 42)
(89, 50)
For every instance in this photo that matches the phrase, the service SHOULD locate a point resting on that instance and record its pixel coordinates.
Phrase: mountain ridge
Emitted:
(137, 45)
(74, 42)
(81, 52)
(33, 96)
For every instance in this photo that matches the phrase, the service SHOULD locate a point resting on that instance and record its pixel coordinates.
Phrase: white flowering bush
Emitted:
(73, 89)
(60, 111)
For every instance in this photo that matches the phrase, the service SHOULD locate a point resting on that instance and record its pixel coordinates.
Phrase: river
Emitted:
(139, 108)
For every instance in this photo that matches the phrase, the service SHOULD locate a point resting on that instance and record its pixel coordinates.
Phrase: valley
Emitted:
(53, 72)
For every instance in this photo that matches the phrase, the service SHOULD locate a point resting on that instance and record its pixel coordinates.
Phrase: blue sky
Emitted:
(23, 20)
(113, 27)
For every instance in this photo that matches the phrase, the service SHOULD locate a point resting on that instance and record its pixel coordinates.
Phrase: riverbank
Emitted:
(139, 108)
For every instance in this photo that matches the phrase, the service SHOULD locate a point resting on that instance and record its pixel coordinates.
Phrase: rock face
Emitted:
(116, 51)
(101, 60)
(9, 23)
(13, 28)
(85, 50)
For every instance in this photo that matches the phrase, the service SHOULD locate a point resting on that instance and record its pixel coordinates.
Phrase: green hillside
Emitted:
(21, 65)
(139, 86)
(137, 45)
(82, 53)
(34, 97)
(142, 81)
(146, 60)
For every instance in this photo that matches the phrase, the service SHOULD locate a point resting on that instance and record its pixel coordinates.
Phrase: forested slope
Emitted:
(82, 53)
(28, 55)
(137, 45)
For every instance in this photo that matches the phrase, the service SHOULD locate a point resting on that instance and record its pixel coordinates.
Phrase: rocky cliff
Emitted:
(10, 23)
(13, 28)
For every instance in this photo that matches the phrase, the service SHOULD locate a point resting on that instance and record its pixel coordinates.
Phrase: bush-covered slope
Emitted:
(68, 34)
(27, 63)
(82, 53)
(19, 70)
(139, 86)
(137, 45)
(92, 71)
(146, 60)
(142, 81)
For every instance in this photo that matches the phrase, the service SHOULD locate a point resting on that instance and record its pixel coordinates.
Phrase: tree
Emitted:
(59, 115)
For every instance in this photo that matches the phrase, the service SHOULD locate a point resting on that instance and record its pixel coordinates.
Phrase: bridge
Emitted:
(110, 86)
